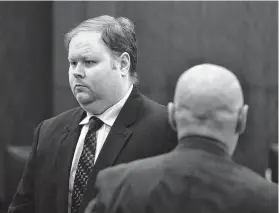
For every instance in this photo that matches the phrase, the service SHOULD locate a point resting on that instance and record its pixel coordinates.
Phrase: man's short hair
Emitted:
(117, 33)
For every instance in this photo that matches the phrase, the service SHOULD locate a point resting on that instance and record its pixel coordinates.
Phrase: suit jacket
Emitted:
(198, 176)
(45, 182)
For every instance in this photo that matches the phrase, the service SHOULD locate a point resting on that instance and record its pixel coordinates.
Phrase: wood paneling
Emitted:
(26, 77)
(173, 36)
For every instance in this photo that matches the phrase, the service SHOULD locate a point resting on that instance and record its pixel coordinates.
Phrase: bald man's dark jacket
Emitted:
(141, 130)
(198, 176)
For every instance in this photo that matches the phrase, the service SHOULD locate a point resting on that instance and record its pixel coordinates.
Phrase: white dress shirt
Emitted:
(108, 117)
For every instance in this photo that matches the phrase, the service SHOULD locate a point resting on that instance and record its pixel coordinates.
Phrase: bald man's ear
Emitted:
(242, 120)
(171, 112)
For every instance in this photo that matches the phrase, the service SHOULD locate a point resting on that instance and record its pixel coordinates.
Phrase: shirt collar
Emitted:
(110, 115)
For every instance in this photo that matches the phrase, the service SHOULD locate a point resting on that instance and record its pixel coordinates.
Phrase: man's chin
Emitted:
(83, 99)
(91, 105)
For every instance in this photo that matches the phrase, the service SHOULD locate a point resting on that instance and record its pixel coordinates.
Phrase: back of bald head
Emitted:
(208, 88)
(207, 101)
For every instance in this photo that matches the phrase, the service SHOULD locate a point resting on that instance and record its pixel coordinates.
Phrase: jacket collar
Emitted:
(207, 144)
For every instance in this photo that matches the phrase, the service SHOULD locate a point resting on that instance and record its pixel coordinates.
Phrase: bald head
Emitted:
(208, 101)
(208, 87)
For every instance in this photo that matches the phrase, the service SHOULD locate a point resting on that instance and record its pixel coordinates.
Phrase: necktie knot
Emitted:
(95, 123)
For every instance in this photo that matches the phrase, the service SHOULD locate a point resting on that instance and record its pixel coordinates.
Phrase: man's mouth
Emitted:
(79, 85)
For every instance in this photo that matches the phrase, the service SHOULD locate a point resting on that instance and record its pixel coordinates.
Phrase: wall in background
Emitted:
(173, 36)
(26, 76)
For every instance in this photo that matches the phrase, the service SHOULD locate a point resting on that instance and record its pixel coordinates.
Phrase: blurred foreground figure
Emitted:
(198, 176)
(114, 124)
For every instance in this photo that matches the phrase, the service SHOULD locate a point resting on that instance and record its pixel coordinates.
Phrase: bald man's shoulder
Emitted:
(134, 180)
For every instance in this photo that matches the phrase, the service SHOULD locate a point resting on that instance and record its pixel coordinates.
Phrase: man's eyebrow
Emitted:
(83, 57)
(70, 58)
(89, 54)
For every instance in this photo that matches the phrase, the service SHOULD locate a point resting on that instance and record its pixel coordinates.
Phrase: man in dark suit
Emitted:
(198, 176)
(114, 124)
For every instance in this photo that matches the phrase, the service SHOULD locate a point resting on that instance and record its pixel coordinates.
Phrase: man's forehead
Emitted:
(81, 50)
(87, 35)
(86, 43)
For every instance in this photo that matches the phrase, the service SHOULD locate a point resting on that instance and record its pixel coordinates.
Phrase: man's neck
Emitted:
(101, 106)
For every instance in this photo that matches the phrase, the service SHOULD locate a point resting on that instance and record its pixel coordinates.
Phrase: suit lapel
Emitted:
(119, 132)
(66, 149)
(115, 141)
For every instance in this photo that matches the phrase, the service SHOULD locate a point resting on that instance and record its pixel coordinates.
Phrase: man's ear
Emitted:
(242, 120)
(171, 112)
(125, 63)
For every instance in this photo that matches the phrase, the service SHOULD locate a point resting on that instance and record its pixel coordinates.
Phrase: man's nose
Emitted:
(78, 71)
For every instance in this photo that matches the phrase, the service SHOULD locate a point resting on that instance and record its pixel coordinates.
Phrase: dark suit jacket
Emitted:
(45, 182)
(196, 177)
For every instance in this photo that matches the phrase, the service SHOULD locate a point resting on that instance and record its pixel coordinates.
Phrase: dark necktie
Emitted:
(86, 163)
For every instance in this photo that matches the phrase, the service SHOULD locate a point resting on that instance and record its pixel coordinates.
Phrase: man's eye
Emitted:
(73, 63)
(89, 62)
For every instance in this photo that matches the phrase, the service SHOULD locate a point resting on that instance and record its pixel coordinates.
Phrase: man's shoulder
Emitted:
(134, 166)
(226, 170)
(152, 105)
(256, 182)
(246, 182)
(64, 117)
(264, 193)
(153, 112)
(147, 170)
(138, 179)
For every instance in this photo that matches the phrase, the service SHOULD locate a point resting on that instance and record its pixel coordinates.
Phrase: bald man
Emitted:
(198, 176)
